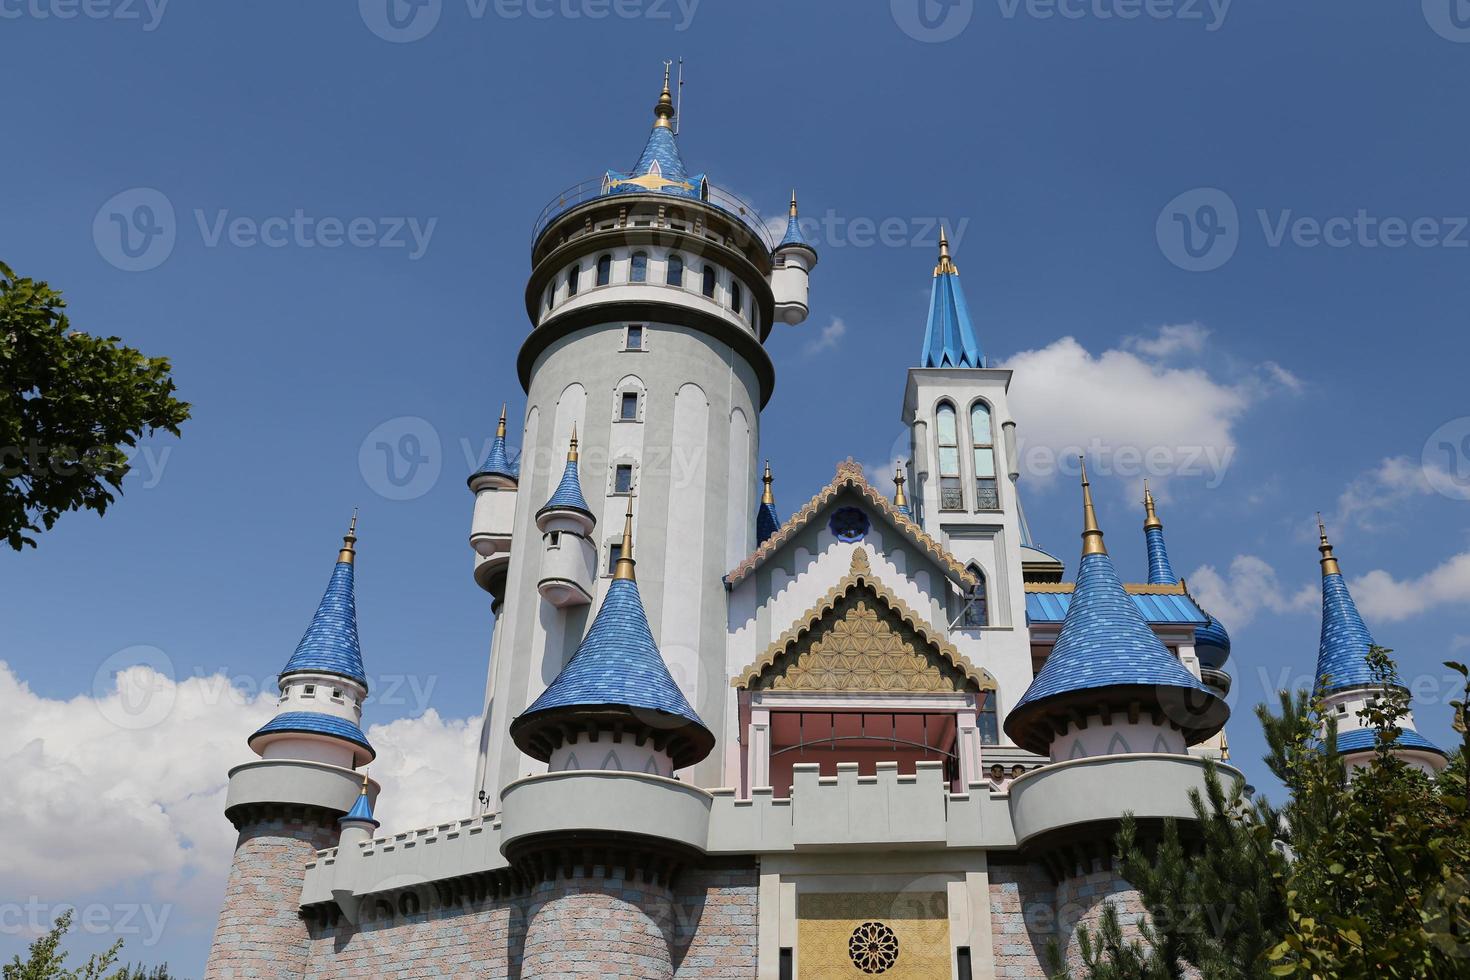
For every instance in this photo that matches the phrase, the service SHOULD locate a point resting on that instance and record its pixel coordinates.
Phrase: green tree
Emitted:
(70, 404)
(1367, 876)
(46, 957)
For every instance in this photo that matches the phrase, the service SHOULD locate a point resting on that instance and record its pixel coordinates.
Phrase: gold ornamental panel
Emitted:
(866, 935)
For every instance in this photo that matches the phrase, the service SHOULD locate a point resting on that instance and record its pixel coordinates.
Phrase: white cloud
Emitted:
(106, 791)
(827, 339)
(1134, 415)
(1382, 491)
(1382, 597)
(1247, 588)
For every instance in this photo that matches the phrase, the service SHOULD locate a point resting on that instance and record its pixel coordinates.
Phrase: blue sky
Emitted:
(1328, 374)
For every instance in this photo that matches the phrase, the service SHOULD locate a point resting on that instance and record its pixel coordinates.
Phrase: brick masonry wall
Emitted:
(480, 940)
(1022, 919)
(260, 931)
(715, 933)
(602, 927)
(1081, 899)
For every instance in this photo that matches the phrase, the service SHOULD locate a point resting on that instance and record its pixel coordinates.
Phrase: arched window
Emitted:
(550, 294)
(977, 602)
(985, 719)
(639, 271)
(951, 494)
(987, 495)
(604, 270)
(574, 279)
(709, 281)
(736, 299)
(675, 273)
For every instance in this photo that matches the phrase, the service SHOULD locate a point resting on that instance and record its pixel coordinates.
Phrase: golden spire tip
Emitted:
(663, 110)
(946, 265)
(1092, 536)
(793, 202)
(767, 497)
(899, 500)
(624, 567)
(349, 541)
(1151, 519)
(572, 448)
(1329, 561)
(500, 429)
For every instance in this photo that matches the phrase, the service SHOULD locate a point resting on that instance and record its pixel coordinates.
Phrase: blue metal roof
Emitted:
(949, 337)
(1105, 641)
(1367, 738)
(767, 523)
(618, 664)
(569, 491)
(1212, 636)
(794, 235)
(315, 723)
(497, 461)
(330, 644)
(1160, 572)
(361, 810)
(660, 170)
(1343, 652)
(1051, 607)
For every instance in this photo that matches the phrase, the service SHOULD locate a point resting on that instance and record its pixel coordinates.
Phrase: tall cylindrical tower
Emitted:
(650, 299)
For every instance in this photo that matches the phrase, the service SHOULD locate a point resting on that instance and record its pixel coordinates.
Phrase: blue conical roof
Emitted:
(568, 492)
(1342, 654)
(767, 522)
(794, 234)
(660, 169)
(1160, 571)
(497, 460)
(330, 644)
(1367, 738)
(361, 810)
(949, 337)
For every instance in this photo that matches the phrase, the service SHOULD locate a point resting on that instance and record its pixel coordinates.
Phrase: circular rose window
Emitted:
(873, 948)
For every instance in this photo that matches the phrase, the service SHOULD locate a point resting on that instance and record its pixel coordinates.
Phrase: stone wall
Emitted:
(1023, 919)
(260, 931)
(715, 935)
(1081, 898)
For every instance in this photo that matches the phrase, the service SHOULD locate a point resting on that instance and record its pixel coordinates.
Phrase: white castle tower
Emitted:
(650, 297)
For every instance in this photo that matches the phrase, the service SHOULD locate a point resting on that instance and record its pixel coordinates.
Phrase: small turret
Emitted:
(1211, 641)
(796, 257)
(949, 336)
(569, 556)
(767, 521)
(494, 485)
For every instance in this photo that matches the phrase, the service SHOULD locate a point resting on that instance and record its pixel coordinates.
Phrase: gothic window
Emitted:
(604, 270)
(628, 407)
(951, 493)
(736, 299)
(985, 719)
(987, 495)
(675, 273)
(574, 277)
(639, 271)
(709, 281)
(977, 602)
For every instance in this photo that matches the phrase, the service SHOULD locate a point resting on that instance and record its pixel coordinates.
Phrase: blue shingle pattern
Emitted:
(316, 724)
(618, 664)
(1367, 738)
(1343, 652)
(949, 338)
(569, 491)
(497, 461)
(1105, 642)
(330, 644)
(794, 235)
(1212, 643)
(1160, 572)
(660, 170)
(766, 523)
(1051, 607)
(361, 810)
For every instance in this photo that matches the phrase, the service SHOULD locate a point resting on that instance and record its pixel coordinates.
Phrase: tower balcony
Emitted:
(744, 229)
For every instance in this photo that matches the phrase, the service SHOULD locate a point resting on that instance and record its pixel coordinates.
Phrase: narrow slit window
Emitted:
(951, 493)
(574, 279)
(635, 337)
(604, 270)
(709, 281)
(614, 552)
(987, 492)
(674, 276)
(977, 602)
(628, 407)
(623, 478)
(639, 269)
(737, 300)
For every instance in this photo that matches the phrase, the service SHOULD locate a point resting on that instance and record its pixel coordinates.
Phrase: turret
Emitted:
(1345, 680)
(569, 556)
(767, 521)
(796, 257)
(949, 337)
(1211, 640)
(494, 485)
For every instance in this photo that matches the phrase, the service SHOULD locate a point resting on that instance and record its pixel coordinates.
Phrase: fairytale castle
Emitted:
(886, 735)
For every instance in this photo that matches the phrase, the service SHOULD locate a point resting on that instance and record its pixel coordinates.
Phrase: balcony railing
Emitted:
(596, 187)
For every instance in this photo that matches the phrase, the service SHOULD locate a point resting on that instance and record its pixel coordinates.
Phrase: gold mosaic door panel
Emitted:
(892, 935)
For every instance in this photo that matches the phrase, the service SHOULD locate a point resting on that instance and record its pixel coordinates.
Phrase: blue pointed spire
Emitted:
(949, 337)
(568, 492)
(1160, 571)
(497, 460)
(660, 168)
(618, 670)
(362, 810)
(1342, 655)
(794, 236)
(330, 644)
(767, 521)
(1105, 643)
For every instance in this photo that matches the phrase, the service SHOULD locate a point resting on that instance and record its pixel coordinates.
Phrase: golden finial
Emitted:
(624, 567)
(663, 112)
(364, 783)
(572, 451)
(766, 496)
(946, 266)
(793, 202)
(899, 500)
(1329, 563)
(349, 540)
(500, 429)
(1092, 536)
(1151, 519)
